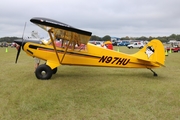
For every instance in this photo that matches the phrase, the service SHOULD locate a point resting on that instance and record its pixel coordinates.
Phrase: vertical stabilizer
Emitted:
(153, 51)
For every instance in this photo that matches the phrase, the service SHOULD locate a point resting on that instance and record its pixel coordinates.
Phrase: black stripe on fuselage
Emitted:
(61, 51)
(30, 51)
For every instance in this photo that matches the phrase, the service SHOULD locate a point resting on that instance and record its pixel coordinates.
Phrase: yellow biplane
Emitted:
(75, 49)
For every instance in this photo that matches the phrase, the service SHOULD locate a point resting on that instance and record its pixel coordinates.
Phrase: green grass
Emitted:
(88, 93)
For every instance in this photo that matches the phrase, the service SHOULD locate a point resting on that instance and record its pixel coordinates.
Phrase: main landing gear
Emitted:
(155, 74)
(44, 72)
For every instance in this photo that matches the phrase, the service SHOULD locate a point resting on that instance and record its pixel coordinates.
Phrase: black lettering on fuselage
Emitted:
(114, 60)
(126, 61)
(108, 60)
(120, 61)
(103, 58)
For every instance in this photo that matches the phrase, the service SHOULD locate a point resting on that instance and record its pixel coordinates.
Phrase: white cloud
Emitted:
(111, 17)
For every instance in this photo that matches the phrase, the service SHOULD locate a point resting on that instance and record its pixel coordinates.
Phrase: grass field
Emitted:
(88, 93)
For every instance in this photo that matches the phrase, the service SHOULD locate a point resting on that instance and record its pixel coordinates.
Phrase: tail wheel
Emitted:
(54, 70)
(43, 72)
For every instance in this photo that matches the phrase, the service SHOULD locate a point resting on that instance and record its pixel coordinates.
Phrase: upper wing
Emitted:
(62, 30)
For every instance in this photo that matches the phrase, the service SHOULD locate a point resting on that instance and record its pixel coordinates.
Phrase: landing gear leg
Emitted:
(155, 74)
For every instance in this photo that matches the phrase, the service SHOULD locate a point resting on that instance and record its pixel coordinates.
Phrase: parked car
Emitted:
(136, 45)
(123, 43)
(98, 43)
(114, 43)
(174, 49)
(3, 44)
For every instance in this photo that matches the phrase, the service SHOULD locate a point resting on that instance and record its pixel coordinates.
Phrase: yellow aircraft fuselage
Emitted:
(92, 55)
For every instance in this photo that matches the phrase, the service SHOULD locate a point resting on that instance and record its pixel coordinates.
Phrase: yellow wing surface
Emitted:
(62, 31)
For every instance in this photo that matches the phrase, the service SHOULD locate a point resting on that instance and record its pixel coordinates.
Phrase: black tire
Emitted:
(54, 71)
(43, 72)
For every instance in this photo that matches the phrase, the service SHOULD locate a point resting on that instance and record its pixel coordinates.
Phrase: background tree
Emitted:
(172, 37)
(95, 38)
(106, 38)
(143, 38)
(8, 39)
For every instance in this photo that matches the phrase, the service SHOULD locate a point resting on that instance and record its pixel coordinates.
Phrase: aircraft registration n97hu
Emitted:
(74, 49)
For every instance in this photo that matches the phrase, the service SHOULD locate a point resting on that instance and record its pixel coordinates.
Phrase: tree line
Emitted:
(163, 39)
(108, 37)
(8, 39)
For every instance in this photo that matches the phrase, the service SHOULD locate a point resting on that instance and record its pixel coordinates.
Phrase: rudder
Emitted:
(153, 51)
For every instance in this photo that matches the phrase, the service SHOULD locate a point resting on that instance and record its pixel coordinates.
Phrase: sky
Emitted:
(117, 18)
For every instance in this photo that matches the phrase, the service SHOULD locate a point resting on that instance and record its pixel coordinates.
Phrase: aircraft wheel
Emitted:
(54, 70)
(43, 72)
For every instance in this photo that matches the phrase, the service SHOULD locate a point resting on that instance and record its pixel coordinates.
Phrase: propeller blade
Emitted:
(23, 33)
(17, 56)
(19, 42)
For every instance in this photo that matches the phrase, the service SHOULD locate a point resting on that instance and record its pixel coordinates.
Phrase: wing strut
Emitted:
(67, 48)
(52, 40)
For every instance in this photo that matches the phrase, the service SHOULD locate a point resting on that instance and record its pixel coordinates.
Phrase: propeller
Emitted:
(20, 44)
